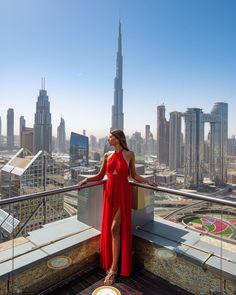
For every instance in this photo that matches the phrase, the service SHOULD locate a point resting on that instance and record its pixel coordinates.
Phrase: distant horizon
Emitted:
(182, 53)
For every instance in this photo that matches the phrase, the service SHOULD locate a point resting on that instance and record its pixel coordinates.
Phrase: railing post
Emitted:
(143, 205)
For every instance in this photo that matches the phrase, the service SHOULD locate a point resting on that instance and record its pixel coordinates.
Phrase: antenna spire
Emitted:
(43, 83)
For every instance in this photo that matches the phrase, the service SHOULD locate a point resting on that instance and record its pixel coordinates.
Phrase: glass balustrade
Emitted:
(177, 229)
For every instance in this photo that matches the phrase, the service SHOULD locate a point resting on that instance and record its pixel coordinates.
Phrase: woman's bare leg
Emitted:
(115, 231)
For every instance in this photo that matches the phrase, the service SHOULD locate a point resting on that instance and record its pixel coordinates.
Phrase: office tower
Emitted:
(175, 141)
(42, 123)
(79, 150)
(137, 143)
(214, 151)
(21, 126)
(10, 129)
(61, 137)
(231, 147)
(117, 108)
(218, 142)
(194, 147)
(102, 142)
(26, 138)
(147, 133)
(93, 142)
(26, 173)
(162, 136)
(149, 141)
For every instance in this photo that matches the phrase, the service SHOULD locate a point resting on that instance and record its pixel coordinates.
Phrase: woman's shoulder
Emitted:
(107, 154)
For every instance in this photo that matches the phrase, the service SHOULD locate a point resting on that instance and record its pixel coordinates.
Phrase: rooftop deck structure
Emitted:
(169, 255)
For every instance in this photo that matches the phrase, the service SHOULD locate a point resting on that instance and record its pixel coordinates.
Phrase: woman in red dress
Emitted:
(116, 228)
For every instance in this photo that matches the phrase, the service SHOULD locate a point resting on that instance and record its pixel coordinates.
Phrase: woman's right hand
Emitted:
(82, 181)
(150, 182)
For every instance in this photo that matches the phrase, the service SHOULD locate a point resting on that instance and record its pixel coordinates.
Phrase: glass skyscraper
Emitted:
(42, 123)
(117, 108)
(61, 137)
(195, 120)
(10, 129)
(26, 173)
(162, 136)
(218, 142)
(175, 141)
(194, 147)
(79, 149)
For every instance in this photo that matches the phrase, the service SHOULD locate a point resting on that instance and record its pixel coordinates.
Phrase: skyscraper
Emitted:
(149, 141)
(218, 142)
(162, 136)
(147, 133)
(26, 138)
(175, 141)
(10, 129)
(137, 143)
(117, 108)
(93, 142)
(22, 124)
(61, 137)
(25, 173)
(42, 123)
(194, 144)
(79, 150)
(231, 146)
(194, 147)
(21, 127)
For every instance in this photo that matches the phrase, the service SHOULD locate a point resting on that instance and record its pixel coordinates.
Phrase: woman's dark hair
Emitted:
(119, 134)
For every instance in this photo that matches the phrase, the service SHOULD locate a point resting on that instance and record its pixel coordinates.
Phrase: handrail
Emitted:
(49, 192)
(188, 195)
(96, 183)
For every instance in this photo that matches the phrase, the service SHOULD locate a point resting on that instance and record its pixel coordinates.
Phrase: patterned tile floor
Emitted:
(141, 282)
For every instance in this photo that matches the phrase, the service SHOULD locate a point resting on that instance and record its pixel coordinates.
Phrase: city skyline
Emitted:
(184, 68)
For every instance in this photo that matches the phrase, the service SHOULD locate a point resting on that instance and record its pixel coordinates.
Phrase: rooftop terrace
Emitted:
(170, 256)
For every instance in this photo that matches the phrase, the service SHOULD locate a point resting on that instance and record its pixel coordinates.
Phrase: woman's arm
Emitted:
(137, 177)
(100, 174)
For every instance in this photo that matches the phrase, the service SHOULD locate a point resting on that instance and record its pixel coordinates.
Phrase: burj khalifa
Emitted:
(117, 107)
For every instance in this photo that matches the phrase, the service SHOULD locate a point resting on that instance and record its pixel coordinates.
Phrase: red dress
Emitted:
(117, 193)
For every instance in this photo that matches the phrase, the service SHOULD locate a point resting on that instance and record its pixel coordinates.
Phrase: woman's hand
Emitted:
(150, 182)
(84, 181)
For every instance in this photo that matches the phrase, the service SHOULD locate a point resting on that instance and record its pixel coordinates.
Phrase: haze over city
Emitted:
(181, 53)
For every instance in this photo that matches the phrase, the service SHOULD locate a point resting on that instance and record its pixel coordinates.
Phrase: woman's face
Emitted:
(112, 140)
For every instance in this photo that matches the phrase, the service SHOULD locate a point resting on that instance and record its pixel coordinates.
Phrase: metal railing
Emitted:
(96, 183)
(158, 190)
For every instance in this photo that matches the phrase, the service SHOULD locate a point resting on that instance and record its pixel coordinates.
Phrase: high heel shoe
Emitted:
(108, 276)
(107, 271)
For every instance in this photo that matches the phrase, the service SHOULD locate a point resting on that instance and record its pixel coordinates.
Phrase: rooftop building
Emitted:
(27, 173)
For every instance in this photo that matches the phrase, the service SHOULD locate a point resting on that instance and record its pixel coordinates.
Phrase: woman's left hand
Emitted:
(150, 182)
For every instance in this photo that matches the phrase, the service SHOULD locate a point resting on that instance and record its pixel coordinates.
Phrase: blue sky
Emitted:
(180, 52)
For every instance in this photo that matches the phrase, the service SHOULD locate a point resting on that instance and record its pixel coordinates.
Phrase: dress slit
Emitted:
(115, 215)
